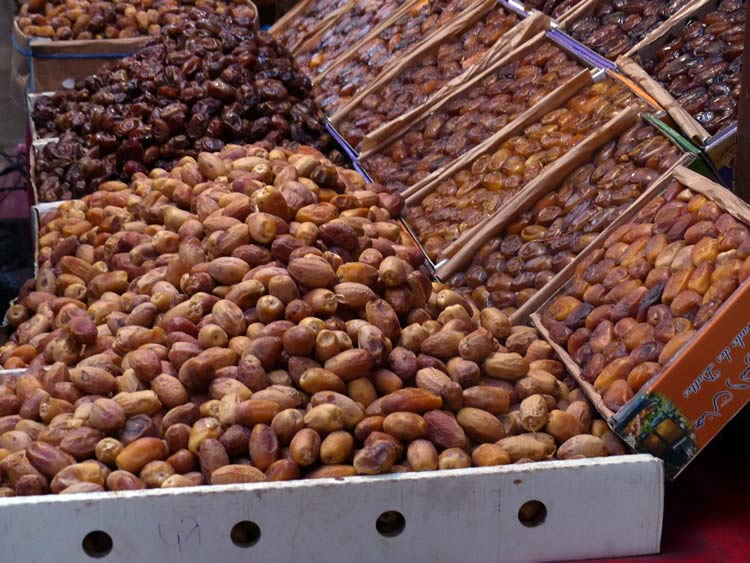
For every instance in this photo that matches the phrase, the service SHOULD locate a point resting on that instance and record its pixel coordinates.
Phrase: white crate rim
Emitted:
(602, 507)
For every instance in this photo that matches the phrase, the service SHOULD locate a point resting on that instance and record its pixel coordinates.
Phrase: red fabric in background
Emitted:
(707, 512)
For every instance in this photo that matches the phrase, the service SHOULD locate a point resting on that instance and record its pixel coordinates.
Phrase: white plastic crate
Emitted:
(603, 507)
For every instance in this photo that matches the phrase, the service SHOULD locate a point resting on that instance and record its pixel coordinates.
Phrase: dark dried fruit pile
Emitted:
(618, 25)
(196, 88)
(701, 66)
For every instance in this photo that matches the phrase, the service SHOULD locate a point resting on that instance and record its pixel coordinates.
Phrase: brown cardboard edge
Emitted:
(516, 42)
(315, 34)
(689, 179)
(457, 27)
(377, 30)
(311, 44)
(692, 129)
(574, 370)
(416, 193)
(285, 21)
(88, 46)
(582, 10)
(472, 241)
(561, 278)
(396, 58)
(726, 199)
(454, 247)
(324, 23)
(663, 30)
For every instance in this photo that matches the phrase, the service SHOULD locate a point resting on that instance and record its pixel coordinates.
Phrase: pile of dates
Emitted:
(618, 25)
(701, 66)
(307, 20)
(426, 74)
(345, 31)
(471, 117)
(254, 315)
(105, 19)
(364, 65)
(474, 193)
(196, 88)
(634, 303)
(511, 267)
(554, 8)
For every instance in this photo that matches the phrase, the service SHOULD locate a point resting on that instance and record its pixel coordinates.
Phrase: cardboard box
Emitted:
(453, 34)
(387, 135)
(381, 49)
(50, 65)
(552, 171)
(552, 101)
(549, 181)
(628, 65)
(685, 405)
(440, 516)
(320, 14)
(353, 24)
(588, 8)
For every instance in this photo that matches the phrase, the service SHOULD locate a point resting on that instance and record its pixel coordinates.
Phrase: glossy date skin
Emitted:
(510, 268)
(474, 193)
(258, 314)
(467, 120)
(656, 281)
(415, 84)
(305, 22)
(344, 33)
(194, 89)
(366, 64)
(700, 66)
(97, 19)
(618, 25)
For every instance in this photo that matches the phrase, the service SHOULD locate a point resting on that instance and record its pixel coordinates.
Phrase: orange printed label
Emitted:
(706, 385)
